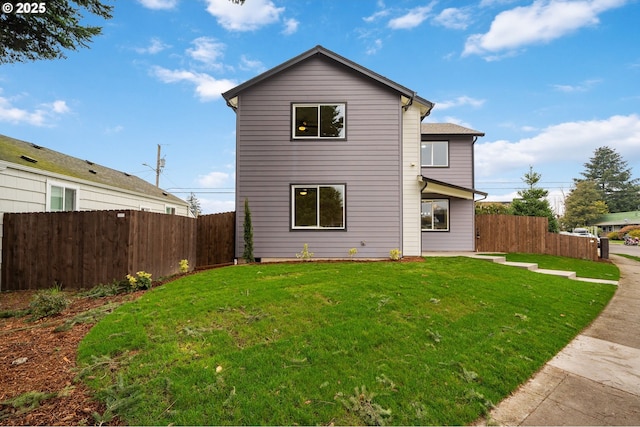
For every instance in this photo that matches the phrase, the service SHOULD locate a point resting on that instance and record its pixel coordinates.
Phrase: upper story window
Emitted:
(61, 198)
(435, 153)
(319, 207)
(318, 121)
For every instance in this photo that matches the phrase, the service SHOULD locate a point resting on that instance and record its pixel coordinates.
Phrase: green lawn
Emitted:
(430, 343)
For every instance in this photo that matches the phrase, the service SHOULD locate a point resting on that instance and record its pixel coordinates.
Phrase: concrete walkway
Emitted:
(595, 380)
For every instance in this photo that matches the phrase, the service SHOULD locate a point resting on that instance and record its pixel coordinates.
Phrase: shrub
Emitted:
(635, 233)
(614, 235)
(305, 255)
(627, 229)
(142, 280)
(247, 226)
(184, 265)
(394, 254)
(48, 303)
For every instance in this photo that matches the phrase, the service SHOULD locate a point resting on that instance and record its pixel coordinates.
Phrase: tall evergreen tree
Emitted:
(583, 205)
(50, 28)
(613, 177)
(194, 205)
(248, 234)
(532, 201)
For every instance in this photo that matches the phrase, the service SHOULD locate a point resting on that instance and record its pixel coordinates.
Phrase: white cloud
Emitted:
(247, 64)
(571, 142)
(207, 88)
(213, 179)
(540, 22)
(453, 18)
(250, 16)
(459, 102)
(155, 46)
(374, 47)
(290, 26)
(582, 87)
(208, 51)
(113, 130)
(43, 115)
(159, 4)
(411, 19)
(377, 15)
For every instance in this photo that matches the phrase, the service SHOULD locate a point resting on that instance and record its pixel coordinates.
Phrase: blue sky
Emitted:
(547, 81)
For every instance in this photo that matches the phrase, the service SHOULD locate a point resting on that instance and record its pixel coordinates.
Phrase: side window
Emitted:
(61, 198)
(319, 207)
(318, 121)
(435, 215)
(435, 153)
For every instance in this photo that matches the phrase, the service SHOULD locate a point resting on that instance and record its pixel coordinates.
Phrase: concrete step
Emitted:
(526, 265)
(561, 273)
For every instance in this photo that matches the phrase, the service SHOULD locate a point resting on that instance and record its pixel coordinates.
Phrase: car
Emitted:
(583, 232)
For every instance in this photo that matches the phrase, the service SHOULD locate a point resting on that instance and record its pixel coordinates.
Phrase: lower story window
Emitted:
(317, 207)
(435, 215)
(61, 198)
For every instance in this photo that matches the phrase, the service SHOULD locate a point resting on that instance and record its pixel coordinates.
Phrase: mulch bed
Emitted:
(50, 365)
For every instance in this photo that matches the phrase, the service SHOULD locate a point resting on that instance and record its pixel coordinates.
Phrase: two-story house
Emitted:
(333, 155)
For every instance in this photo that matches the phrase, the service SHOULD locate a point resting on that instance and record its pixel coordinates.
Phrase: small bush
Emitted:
(614, 235)
(48, 303)
(305, 255)
(142, 280)
(627, 229)
(394, 254)
(635, 233)
(184, 265)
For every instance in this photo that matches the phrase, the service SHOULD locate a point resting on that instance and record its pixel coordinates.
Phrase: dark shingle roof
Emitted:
(447, 129)
(38, 157)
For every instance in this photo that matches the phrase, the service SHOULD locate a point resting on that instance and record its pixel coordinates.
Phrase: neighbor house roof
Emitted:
(320, 50)
(39, 157)
(447, 129)
(619, 218)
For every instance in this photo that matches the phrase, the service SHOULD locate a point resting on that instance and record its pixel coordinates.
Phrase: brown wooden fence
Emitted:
(509, 233)
(216, 239)
(83, 249)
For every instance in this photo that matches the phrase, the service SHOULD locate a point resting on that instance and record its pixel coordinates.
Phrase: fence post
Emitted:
(604, 248)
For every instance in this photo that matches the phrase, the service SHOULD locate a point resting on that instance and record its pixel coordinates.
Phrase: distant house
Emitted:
(331, 154)
(36, 179)
(615, 221)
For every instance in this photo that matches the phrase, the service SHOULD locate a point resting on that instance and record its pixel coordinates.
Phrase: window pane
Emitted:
(306, 121)
(331, 207)
(305, 205)
(427, 159)
(440, 154)
(332, 121)
(441, 215)
(57, 198)
(69, 199)
(427, 215)
(435, 153)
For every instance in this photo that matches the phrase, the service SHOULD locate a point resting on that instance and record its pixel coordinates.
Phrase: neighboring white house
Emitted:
(36, 179)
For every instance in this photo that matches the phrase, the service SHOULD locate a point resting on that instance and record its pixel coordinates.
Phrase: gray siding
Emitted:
(367, 162)
(460, 170)
(461, 236)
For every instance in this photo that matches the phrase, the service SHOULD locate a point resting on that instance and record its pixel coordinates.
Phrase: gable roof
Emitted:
(447, 129)
(37, 157)
(411, 95)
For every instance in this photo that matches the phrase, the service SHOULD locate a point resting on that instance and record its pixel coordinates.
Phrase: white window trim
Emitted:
(175, 209)
(318, 104)
(76, 201)
(446, 165)
(317, 227)
(437, 230)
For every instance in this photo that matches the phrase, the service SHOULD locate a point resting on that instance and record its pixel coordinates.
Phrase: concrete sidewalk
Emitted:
(595, 380)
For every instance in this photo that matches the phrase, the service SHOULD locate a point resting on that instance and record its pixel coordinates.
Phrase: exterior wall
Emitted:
(411, 241)
(367, 162)
(460, 170)
(461, 235)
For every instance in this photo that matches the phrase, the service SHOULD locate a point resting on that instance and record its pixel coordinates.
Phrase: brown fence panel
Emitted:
(510, 233)
(216, 239)
(83, 249)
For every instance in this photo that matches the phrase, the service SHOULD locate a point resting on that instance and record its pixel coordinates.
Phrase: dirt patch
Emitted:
(35, 358)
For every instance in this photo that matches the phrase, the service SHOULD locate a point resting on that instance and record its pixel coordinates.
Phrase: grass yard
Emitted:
(403, 343)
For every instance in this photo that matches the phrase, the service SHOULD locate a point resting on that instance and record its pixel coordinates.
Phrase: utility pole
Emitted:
(160, 162)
